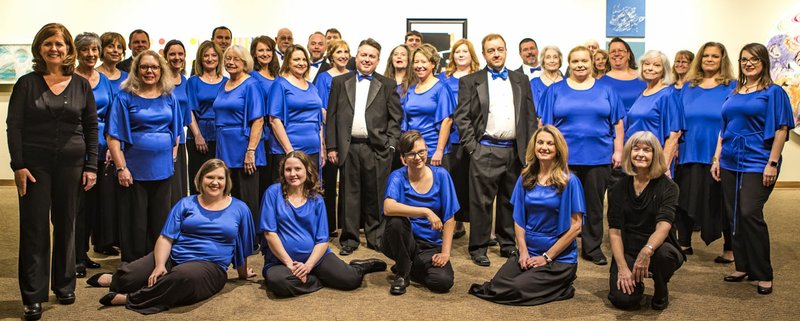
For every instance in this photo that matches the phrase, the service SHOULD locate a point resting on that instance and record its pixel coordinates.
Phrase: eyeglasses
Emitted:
(149, 67)
(753, 61)
(413, 155)
(234, 59)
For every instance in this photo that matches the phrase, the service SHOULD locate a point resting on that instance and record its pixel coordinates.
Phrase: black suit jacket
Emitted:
(383, 114)
(473, 109)
(125, 65)
(323, 67)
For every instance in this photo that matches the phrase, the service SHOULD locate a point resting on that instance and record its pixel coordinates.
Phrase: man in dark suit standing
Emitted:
(529, 52)
(138, 41)
(363, 128)
(316, 50)
(496, 118)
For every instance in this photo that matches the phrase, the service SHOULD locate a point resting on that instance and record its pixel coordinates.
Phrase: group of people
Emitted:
(417, 152)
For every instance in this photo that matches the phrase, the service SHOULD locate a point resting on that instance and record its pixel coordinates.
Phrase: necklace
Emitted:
(749, 88)
(551, 79)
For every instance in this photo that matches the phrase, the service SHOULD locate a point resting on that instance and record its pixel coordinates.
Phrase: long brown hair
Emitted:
(758, 51)
(559, 172)
(47, 31)
(724, 75)
(311, 187)
(272, 66)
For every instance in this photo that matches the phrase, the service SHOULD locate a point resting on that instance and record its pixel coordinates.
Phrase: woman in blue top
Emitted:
(203, 234)
(463, 61)
(623, 77)
(265, 70)
(428, 105)
(98, 203)
(293, 221)
(755, 123)
(142, 135)
(589, 113)
(202, 89)
(548, 213)
(657, 109)
(295, 112)
(175, 54)
(397, 68)
(112, 51)
(239, 118)
(680, 68)
(338, 53)
(551, 63)
(418, 210)
(710, 81)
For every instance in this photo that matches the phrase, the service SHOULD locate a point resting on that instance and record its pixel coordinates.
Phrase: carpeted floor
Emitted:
(696, 291)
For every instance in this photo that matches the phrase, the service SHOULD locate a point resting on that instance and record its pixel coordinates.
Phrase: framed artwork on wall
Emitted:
(441, 33)
(15, 61)
(625, 18)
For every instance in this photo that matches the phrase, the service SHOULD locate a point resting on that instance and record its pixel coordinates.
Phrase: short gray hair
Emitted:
(667, 74)
(85, 39)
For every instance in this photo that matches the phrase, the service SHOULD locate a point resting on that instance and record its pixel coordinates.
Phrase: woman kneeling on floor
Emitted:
(641, 210)
(295, 226)
(548, 213)
(203, 234)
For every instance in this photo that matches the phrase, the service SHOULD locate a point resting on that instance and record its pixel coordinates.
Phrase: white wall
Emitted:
(671, 26)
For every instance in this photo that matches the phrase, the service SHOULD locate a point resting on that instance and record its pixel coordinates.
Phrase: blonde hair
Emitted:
(474, 65)
(658, 164)
(576, 49)
(243, 54)
(201, 51)
(429, 52)
(689, 56)
(133, 84)
(604, 53)
(335, 45)
(724, 75)
(559, 172)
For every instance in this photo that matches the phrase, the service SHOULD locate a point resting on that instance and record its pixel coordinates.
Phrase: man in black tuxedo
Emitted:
(316, 50)
(138, 41)
(529, 52)
(364, 117)
(495, 118)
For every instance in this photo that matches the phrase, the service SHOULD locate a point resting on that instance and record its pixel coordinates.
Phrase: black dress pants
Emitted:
(744, 207)
(663, 264)
(143, 209)
(493, 172)
(330, 173)
(700, 205)
(361, 192)
(330, 272)
(184, 284)
(415, 258)
(196, 160)
(52, 199)
(459, 170)
(594, 180)
(97, 214)
(245, 188)
(179, 180)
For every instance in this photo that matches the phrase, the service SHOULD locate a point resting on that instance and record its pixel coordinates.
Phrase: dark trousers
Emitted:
(459, 170)
(664, 262)
(143, 208)
(265, 173)
(196, 160)
(700, 205)
(330, 272)
(245, 188)
(413, 258)
(745, 210)
(330, 173)
(594, 180)
(179, 181)
(493, 172)
(364, 175)
(184, 284)
(52, 199)
(97, 214)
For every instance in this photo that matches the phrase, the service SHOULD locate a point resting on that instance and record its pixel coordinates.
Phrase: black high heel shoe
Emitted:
(107, 299)
(765, 290)
(733, 278)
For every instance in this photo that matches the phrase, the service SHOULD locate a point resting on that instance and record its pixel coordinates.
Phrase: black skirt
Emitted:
(513, 286)
(701, 198)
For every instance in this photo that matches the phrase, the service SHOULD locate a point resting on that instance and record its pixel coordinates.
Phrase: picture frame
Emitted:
(625, 18)
(16, 60)
(441, 33)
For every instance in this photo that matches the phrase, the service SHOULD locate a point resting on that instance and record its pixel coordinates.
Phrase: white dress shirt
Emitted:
(527, 70)
(360, 109)
(501, 123)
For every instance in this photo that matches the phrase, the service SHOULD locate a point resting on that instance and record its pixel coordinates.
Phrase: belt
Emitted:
(489, 141)
(355, 140)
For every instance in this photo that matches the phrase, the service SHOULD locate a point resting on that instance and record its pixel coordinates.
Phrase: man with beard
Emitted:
(316, 49)
(529, 52)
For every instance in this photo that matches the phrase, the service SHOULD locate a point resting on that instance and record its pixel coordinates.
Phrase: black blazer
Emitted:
(125, 65)
(323, 67)
(473, 109)
(383, 114)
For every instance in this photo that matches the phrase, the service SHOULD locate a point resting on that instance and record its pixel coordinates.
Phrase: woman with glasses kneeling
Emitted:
(641, 212)
(418, 210)
(548, 213)
(295, 226)
(203, 234)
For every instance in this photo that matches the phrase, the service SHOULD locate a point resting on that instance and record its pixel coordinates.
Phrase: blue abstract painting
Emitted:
(625, 18)
(15, 61)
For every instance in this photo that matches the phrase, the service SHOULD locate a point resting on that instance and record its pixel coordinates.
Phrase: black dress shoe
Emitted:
(601, 260)
(80, 270)
(347, 250)
(460, 231)
(66, 299)
(398, 286)
(492, 242)
(94, 281)
(764, 290)
(721, 260)
(369, 265)
(106, 299)
(734, 278)
(91, 264)
(106, 250)
(481, 260)
(33, 311)
(688, 251)
(660, 304)
(509, 252)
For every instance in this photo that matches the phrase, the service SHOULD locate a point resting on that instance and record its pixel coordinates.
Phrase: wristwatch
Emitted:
(773, 163)
(547, 257)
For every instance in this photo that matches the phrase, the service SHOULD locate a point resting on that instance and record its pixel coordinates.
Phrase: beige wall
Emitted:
(671, 26)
